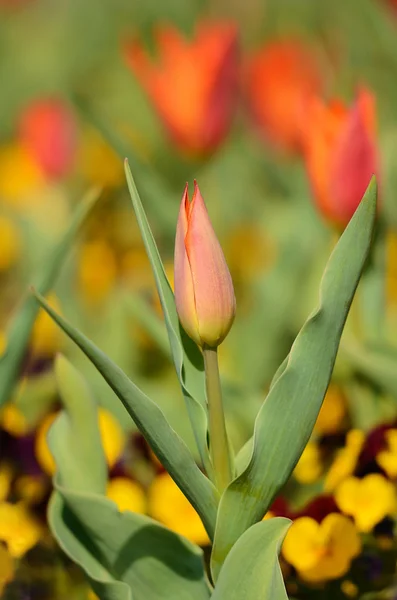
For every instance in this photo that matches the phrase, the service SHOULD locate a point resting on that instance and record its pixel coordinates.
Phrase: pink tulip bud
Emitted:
(204, 291)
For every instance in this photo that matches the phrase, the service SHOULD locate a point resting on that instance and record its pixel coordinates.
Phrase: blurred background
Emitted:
(282, 111)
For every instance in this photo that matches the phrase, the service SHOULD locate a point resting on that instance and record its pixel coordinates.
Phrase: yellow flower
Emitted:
(20, 176)
(387, 459)
(367, 500)
(112, 435)
(18, 528)
(332, 413)
(7, 568)
(127, 494)
(31, 488)
(13, 421)
(6, 476)
(168, 505)
(10, 243)
(46, 336)
(349, 589)
(321, 551)
(99, 163)
(97, 270)
(309, 467)
(346, 460)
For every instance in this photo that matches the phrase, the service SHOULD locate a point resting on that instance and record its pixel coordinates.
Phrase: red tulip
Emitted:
(280, 79)
(341, 154)
(193, 85)
(204, 292)
(48, 130)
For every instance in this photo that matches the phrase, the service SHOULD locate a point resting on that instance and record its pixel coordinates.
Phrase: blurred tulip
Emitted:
(341, 154)
(194, 84)
(280, 78)
(47, 129)
(204, 292)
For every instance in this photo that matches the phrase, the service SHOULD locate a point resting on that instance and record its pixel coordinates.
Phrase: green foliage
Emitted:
(164, 441)
(20, 327)
(286, 419)
(126, 556)
(187, 357)
(251, 569)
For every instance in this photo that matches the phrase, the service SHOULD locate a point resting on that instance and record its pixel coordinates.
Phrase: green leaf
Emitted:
(126, 556)
(379, 365)
(18, 333)
(286, 419)
(164, 441)
(252, 570)
(75, 439)
(187, 357)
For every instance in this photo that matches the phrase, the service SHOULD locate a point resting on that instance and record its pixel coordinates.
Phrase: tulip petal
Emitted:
(213, 287)
(183, 282)
(354, 162)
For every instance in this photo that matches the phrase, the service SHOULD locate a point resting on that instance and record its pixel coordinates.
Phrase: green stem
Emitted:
(219, 445)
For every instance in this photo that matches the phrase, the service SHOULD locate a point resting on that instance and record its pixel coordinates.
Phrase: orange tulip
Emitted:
(193, 86)
(280, 78)
(204, 292)
(47, 129)
(341, 154)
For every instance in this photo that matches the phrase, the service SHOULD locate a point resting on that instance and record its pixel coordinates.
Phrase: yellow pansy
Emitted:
(367, 500)
(332, 413)
(112, 435)
(97, 270)
(387, 459)
(309, 467)
(31, 488)
(7, 568)
(20, 176)
(349, 588)
(168, 505)
(6, 476)
(322, 551)
(346, 460)
(13, 420)
(10, 243)
(19, 530)
(127, 494)
(46, 338)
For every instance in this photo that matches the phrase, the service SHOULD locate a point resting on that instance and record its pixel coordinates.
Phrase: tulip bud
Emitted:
(204, 292)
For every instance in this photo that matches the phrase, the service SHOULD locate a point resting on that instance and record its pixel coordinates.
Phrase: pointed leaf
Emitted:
(20, 328)
(164, 441)
(252, 570)
(187, 357)
(286, 419)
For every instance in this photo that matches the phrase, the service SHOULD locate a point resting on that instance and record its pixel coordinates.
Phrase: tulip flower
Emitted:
(47, 129)
(280, 78)
(193, 86)
(204, 292)
(341, 154)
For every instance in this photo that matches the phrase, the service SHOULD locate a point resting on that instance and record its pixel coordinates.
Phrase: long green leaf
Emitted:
(286, 419)
(18, 333)
(252, 570)
(164, 441)
(126, 556)
(75, 440)
(187, 358)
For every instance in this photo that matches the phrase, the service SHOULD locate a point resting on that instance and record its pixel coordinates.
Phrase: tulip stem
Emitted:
(219, 445)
